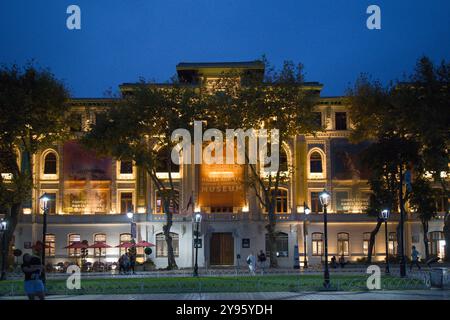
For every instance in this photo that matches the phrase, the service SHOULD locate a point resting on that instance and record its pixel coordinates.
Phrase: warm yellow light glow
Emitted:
(299, 209)
(26, 210)
(226, 174)
(197, 209)
(245, 208)
(141, 210)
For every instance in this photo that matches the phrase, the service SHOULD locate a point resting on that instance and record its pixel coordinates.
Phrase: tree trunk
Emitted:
(373, 234)
(171, 263)
(12, 223)
(425, 239)
(272, 237)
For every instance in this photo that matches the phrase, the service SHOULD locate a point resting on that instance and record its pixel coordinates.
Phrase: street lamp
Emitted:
(3, 229)
(130, 215)
(197, 219)
(384, 214)
(306, 211)
(45, 199)
(325, 198)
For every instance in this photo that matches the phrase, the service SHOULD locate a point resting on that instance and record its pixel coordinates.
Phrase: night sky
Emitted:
(121, 40)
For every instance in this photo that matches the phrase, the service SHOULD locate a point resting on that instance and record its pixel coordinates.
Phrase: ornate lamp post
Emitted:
(306, 212)
(325, 198)
(3, 229)
(197, 220)
(45, 199)
(384, 214)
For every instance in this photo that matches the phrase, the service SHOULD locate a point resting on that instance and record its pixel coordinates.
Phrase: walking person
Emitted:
(32, 268)
(414, 258)
(251, 261)
(262, 261)
(342, 262)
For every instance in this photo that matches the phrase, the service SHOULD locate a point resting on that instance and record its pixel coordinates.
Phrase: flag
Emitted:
(190, 203)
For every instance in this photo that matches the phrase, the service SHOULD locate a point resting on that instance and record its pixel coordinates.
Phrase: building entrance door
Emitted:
(222, 249)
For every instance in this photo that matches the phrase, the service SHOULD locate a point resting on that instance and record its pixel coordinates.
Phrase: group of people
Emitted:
(252, 260)
(342, 262)
(127, 262)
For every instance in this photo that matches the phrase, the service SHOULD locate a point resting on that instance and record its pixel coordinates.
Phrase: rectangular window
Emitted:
(126, 167)
(318, 118)
(392, 244)
(50, 245)
(74, 252)
(366, 242)
(100, 238)
(343, 244)
(282, 244)
(341, 120)
(440, 203)
(317, 244)
(161, 245)
(126, 202)
(316, 206)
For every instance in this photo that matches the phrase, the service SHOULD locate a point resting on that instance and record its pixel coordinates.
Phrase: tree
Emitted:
(33, 114)
(423, 201)
(280, 102)
(413, 112)
(138, 127)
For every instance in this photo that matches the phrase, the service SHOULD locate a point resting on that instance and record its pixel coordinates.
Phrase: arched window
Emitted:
(161, 245)
(317, 244)
(50, 240)
(99, 238)
(124, 237)
(173, 206)
(343, 242)
(50, 164)
(282, 244)
(71, 239)
(315, 163)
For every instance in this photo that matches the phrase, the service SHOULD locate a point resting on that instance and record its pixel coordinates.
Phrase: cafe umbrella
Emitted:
(77, 245)
(99, 245)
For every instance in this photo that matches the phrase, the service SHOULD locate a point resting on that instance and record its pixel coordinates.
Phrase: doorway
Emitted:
(222, 249)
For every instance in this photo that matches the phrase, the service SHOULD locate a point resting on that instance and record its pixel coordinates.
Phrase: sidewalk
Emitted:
(373, 295)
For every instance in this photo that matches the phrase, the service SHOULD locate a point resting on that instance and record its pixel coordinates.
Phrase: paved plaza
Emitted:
(372, 295)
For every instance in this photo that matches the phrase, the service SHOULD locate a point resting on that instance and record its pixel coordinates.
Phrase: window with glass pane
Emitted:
(126, 167)
(50, 163)
(316, 206)
(366, 243)
(440, 203)
(71, 239)
(282, 244)
(282, 161)
(161, 245)
(436, 239)
(281, 201)
(164, 158)
(315, 163)
(343, 243)
(318, 118)
(124, 237)
(317, 244)
(126, 202)
(341, 120)
(50, 241)
(341, 198)
(392, 243)
(159, 204)
(100, 238)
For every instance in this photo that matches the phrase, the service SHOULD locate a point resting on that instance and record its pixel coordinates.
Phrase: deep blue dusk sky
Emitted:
(122, 40)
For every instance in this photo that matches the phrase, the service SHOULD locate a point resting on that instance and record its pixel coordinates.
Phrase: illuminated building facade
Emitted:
(91, 196)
